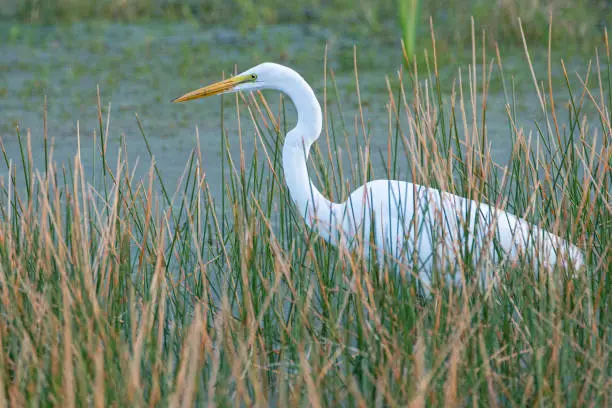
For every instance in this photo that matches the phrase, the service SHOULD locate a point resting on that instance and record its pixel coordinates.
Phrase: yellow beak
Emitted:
(215, 89)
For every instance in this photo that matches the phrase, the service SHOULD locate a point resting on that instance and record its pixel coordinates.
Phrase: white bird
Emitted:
(405, 222)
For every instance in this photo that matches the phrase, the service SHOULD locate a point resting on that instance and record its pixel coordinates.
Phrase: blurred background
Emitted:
(143, 53)
(578, 19)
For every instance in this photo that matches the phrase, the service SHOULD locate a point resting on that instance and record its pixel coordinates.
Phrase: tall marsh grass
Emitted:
(117, 291)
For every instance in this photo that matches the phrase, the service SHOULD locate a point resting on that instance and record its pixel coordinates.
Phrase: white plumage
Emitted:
(408, 222)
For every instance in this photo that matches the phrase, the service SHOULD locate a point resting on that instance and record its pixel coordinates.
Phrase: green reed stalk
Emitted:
(409, 13)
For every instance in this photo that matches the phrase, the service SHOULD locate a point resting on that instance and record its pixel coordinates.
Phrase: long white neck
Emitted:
(318, 212)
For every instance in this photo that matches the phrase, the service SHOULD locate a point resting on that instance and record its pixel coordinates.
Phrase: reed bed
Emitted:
(118, 291)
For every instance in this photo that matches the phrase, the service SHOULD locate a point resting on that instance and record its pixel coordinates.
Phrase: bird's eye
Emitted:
(253, 77)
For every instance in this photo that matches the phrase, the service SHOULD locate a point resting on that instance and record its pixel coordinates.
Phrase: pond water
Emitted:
(140, 68)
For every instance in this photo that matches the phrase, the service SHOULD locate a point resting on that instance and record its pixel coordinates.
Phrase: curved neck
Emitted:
(310, 120)
(318, 212)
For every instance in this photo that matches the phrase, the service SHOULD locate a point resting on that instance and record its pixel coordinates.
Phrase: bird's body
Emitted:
(421, 227)
(404, 222)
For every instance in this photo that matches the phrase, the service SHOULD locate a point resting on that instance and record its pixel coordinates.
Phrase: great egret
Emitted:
(402, 219)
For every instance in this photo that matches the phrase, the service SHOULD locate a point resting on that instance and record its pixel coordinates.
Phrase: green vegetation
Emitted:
(577, 21)
(409, 12)
(132, 292)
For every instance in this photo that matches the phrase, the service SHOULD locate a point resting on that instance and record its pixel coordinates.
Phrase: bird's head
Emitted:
(266, 75)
